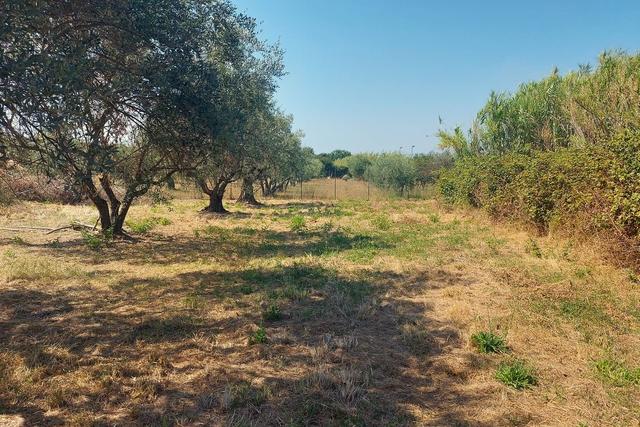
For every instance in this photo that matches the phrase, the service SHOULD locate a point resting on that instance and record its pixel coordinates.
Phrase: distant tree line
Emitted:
(116, 97)
(395, 171)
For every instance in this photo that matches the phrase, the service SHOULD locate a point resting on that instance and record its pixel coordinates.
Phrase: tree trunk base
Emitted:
(216, 210)
(249, 201)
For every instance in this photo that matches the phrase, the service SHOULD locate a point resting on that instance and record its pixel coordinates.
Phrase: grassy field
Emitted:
(307, 313)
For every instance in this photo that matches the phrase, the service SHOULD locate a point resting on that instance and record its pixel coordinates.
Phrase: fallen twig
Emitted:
(49, 230)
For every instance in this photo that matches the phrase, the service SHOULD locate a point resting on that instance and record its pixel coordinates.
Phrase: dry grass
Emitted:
(376, 303)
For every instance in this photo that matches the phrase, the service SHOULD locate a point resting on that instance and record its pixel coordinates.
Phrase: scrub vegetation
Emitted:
(298, 313)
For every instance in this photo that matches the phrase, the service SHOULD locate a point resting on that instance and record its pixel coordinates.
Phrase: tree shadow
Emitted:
(212, 242)
(347, 350)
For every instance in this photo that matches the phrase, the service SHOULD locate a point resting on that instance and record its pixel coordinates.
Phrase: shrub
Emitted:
(488, 342)
(516, 374)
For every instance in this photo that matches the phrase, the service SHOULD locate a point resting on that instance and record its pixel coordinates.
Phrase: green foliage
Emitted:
(563, 152)
(329, 166)
(393, 171)
(488, 342)
(356, 164)
(429, 166)
(616, 373)
(298, 223)
(516, 374)
(96, 241)
(258, 337)
(147, 224)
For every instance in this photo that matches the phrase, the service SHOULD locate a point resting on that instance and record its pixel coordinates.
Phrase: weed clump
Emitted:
(258, 337)
(147, 224)
(516, 374)
(488, 342)
(298, 223)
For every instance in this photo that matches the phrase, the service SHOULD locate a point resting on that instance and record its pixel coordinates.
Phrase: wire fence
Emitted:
(318, 189)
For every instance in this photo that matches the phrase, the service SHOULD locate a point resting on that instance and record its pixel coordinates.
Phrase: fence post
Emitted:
(335, 187)
(368, 191)
(300, 189)
(231, 190)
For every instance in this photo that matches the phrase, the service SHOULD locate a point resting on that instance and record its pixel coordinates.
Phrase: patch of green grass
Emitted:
(211, 231)
(291, 292)
(516, 374)
(272, 313)
(10, 254)
(93, 241)
(258, 337)
(617, 373)
(434, 218)
(488, 342)
(297, 223)
(147, 224)
(582, 310)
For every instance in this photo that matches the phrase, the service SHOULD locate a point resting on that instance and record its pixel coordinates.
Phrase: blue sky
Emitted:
(374, 75)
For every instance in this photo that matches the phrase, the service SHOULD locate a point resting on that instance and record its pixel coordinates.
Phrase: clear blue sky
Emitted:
(374, 75)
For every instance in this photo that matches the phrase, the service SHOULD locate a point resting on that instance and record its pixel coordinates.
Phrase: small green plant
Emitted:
(297, 223)
(434, 218)
(147, 224)
(616, 373)
(516, 374)
(488, 342)
(533, 249)
(258, 337)
(272, 313)
(93, 241)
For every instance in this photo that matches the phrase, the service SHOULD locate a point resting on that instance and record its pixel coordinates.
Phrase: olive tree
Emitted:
(108, 94)
(393, 171)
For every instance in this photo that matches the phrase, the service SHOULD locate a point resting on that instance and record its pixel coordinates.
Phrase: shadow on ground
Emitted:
(346, 351)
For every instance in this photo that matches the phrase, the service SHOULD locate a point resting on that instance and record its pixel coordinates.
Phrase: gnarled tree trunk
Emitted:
(246, 194)
(112, 211)
(215, 193)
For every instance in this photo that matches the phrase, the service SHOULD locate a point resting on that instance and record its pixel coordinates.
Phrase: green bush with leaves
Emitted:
(562, 153)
